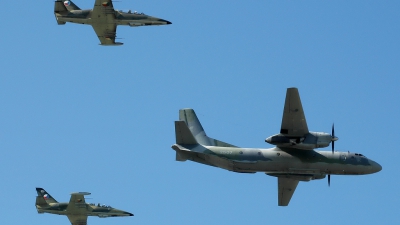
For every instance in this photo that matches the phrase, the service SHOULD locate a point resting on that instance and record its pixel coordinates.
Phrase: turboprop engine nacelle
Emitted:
(310, 141)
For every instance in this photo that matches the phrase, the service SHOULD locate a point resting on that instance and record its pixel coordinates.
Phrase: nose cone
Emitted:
(375, 167)
(126, 213)
(268, 140)
(165, 21)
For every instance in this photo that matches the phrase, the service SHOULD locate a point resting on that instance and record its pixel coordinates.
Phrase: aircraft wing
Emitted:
(77, 203)
(103, 8)
(286, 188)
(78, 219)
(106, 33)
(293, 121)
(105, 28)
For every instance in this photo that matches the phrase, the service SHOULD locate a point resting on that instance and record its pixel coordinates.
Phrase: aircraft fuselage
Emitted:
(91, 210)
(119, 18)
(279, 160)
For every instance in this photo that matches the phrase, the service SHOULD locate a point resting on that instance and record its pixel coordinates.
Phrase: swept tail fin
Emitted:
(59, 11)
(189, 116)
(71, 6)
(183, 135)
(45, 196)
(41, 203)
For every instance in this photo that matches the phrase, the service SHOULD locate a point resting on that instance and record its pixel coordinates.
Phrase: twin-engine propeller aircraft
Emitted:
(77, 210)
(292, 160)
(103, 18)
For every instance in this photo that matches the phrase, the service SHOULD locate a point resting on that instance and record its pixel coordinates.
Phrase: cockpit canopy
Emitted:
(357, 154)
(130, 12)
(100, 205)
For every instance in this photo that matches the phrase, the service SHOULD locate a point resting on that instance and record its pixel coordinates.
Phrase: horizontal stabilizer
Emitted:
(181, 156)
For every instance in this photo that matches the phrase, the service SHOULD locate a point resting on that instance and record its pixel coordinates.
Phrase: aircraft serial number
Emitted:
(226, 152)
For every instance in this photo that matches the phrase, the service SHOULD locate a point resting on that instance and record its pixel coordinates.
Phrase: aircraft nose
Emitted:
(268, 140)
(127, 214)
(375, 166)
(165, 21)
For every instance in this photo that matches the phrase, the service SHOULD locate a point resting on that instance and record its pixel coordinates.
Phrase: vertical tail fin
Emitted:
(40, 203)
(59, 11)
(189, 116)
(60, 8)
(183, 135)
(71, 6)
(45, 196)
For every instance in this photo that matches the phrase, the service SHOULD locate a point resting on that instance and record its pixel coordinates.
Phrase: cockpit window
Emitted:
(130, 12)
(359, 155)
(101, 205)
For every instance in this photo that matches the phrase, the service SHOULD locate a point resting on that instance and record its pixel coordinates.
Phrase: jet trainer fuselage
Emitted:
(91, 210)
(103, 18)
(77, 210)
(121, 18)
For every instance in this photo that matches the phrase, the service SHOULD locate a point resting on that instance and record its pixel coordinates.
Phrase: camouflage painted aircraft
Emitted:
(77, 210)
(293, 159)
(103, 18)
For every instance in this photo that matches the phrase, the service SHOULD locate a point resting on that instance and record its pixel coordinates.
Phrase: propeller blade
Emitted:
(334, 138)
(329, 180)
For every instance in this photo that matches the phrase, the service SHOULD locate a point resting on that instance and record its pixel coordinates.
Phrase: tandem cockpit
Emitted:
(130, 12)
(100, 205)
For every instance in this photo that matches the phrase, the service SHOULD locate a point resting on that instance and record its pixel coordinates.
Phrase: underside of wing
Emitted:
(293, 121)
(77, 219)
(103, 22)
(106, 33)
(77, 203)
(102, 9)
(286, 188)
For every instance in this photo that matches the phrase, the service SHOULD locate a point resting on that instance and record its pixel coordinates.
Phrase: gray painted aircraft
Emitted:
(293, 159)
(77, 210)
(103, 18)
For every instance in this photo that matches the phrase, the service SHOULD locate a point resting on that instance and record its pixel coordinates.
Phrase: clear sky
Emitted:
(76, 116)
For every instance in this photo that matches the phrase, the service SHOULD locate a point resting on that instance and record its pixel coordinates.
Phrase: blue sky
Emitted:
(76, 116)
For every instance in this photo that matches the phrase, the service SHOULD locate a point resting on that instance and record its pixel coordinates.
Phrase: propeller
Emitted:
(329, 180)
(334, 138)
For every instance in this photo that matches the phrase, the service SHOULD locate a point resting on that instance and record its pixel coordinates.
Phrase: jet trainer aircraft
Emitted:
(77, 210)
(103, 18)
(292, 160)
